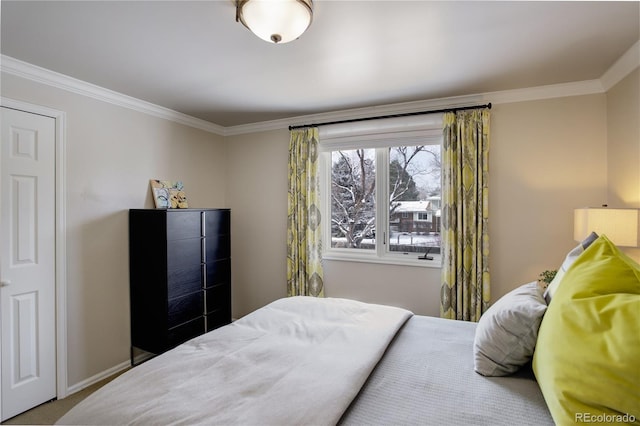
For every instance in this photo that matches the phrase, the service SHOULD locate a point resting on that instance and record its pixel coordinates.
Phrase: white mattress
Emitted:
(426, 377)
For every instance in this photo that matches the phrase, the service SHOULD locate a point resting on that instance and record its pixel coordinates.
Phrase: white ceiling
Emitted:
(192, 57)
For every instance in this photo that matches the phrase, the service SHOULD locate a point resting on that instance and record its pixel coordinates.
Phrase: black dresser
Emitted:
(180, 275)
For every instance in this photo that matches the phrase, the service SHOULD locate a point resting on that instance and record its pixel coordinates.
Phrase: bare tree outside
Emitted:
(353, 208)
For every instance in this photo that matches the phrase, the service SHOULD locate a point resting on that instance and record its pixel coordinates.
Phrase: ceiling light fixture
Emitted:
(275, 21)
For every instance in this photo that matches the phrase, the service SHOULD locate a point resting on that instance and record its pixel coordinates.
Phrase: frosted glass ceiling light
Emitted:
(275, 21)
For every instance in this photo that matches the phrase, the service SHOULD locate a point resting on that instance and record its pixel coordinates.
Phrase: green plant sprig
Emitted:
(547, 276)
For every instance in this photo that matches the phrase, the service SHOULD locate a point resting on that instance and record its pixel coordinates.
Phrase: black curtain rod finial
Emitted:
(380, 117)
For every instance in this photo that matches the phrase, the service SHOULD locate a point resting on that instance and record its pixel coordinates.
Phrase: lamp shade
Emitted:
(276, 21)
(619, 225)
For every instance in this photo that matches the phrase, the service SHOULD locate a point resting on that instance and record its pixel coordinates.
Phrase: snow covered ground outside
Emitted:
(397, 238)
(413, 239)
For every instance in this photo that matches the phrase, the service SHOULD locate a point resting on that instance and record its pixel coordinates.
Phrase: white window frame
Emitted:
(380, 135)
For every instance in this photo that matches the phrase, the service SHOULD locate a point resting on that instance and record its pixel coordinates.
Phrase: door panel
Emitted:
(23, 192)
(24, 313)
(27, 262)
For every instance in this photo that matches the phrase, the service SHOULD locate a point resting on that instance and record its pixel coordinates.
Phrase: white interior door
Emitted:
(27, 262)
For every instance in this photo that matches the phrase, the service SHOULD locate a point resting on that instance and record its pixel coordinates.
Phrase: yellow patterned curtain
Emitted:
(304, 247)
(465, 210)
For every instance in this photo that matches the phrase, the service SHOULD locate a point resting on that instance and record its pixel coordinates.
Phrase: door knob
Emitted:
(4, 283)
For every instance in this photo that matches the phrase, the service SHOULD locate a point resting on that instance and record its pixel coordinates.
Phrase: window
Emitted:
(381, 196)
(353, 199)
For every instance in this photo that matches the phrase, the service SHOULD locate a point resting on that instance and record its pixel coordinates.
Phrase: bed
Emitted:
(304, 360)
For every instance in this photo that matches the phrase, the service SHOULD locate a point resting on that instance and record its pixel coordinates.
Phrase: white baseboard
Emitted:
(98, 377)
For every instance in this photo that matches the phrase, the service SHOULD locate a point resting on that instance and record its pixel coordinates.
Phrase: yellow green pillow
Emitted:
(566, 264)
(587, 356)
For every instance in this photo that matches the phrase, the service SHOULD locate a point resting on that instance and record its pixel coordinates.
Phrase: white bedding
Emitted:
(298, 360)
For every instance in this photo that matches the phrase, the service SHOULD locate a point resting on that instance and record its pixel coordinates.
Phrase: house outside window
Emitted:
(381, 194)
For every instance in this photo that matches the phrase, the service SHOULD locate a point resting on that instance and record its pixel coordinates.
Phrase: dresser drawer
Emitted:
(182, 254)
(217, 222)
(218, 298)
(218, 272)
(217, 248)
(184, 281)
(181, 224)
(184, 332)
(185, 308)
(218, 319)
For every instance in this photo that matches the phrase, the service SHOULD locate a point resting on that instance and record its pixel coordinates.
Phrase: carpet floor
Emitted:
(49, 412)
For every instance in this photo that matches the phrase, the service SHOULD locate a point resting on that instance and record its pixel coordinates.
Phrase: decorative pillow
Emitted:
(506, 333)
(586, 358)
(568, 261)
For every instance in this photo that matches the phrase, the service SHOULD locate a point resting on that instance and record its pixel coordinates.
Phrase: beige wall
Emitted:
(623, 150)
(410, 287)
(111, 153)
(547, 157)
(623, 153)
(257, 195)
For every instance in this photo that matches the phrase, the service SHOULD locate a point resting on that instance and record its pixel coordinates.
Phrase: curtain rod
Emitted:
(406, 114)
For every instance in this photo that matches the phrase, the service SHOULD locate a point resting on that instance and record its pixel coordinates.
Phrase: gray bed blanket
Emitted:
(426, 377)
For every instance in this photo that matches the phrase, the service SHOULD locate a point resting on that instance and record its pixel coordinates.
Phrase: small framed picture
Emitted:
(168, 194)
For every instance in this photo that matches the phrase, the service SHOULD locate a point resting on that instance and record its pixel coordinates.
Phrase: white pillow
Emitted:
(507, 332)
(568, 261)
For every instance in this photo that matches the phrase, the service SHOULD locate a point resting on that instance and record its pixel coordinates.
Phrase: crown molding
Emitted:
(579, 88)
(576, 88)
(628, 62)
(38, 74)
(355, 113)
(620, 69)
